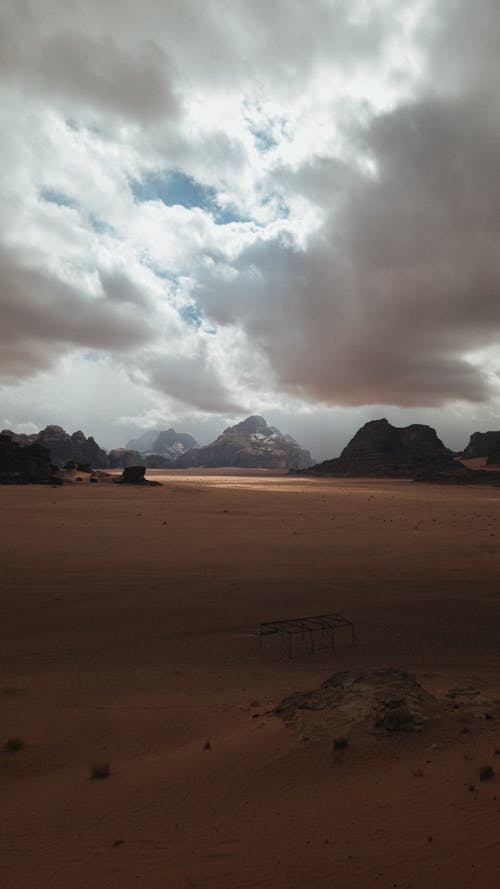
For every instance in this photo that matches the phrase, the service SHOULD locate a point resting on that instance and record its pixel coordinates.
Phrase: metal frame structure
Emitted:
(319, 627)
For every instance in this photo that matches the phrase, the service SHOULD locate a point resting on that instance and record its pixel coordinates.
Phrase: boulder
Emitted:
(134, 475)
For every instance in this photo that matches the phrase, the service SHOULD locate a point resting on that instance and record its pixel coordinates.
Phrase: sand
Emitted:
(127, 635)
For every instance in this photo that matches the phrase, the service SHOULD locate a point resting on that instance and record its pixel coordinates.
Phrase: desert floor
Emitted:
(127, 635)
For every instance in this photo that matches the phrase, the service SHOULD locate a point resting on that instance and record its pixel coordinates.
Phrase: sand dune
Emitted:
(127, 636)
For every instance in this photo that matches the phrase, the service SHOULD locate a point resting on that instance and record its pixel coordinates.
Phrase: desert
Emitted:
(129, 641)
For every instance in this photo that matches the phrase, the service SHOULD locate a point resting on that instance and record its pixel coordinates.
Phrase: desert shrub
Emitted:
(100, 770)
(14, 745)
(486, 773)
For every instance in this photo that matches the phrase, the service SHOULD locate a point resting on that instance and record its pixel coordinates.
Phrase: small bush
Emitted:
(14, 745)
(340, 743)
(486, 773)
(100, 770)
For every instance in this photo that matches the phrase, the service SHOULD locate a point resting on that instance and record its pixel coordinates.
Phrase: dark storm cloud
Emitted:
(42, 317)
(402, 280)
(42, 48)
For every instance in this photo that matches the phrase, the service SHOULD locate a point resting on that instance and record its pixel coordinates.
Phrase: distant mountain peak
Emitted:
(251, 444)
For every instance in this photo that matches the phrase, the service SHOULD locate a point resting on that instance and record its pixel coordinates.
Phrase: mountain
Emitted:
(251, 444)
(163, 444)
(379, 449)
(482, 444)
(64, 447)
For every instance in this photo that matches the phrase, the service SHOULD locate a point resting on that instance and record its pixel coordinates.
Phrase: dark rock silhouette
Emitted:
(25, 465)
(135, 475)
(64, 447)
(494, 456)
(482, 444)
(381, 450)
(251, 444)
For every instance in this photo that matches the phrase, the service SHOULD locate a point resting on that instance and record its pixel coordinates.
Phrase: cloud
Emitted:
(244, 204)
(40, 316)
(50, 50)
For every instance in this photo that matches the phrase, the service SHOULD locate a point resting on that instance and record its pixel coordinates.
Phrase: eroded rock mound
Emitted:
(381, 450)
(251, 444)
(384, 700)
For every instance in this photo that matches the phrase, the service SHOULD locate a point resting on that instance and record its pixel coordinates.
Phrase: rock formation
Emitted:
(64, 447)
(381, 450)
(482, 444)
(119, 458)
(359, 701)
(494, 456)
(135, 475)
(251, 444)
(30, 464)
(164, 445)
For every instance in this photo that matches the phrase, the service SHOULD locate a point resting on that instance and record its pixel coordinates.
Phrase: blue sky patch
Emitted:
(191, 315)
(174, 187)
(52, 196)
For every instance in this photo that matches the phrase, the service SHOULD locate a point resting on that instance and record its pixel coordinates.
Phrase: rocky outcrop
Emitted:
(251, 444)
(381, 450)
(482, 444)
(119, 458)
(494, 456)
(64, 448)
(135, 475)
(360, 701)
(30, 464)
(167, 444)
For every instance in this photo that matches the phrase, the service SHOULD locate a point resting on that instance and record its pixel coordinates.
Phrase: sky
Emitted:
(215, 208)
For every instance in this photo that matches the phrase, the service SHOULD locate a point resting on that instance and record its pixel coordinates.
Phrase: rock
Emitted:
(482, 444)
(494, 456)
(66, 448)
(135, 475)
(381, 450)
(251, 444)
(156, 461)
(167, 444)
(30, 464)
(383, 700)
(119, 458)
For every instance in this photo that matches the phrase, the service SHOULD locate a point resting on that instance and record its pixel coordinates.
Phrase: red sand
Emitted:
(127, 620)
